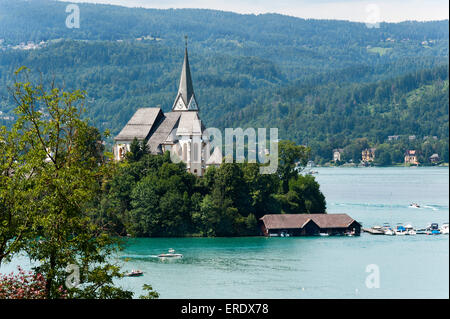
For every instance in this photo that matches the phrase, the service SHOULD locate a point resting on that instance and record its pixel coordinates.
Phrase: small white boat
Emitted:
(170, 254)
(444, 229)
(135, 273)
(324, 234)
(387, 229)
(409, 230)
(414, 205)
(400, 230)
(377, 230)
(350, 233)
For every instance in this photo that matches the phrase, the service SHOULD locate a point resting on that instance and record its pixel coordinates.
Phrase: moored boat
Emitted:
(400, 230)
(433, 229)
(444, 229)
(409, 230)
(387, 229)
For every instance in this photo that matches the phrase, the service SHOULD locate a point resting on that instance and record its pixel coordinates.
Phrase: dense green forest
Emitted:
(149, 196)
(323, 83)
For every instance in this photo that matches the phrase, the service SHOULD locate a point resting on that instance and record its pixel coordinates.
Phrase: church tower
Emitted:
(191, 140)
(180, 132)
(185, 99)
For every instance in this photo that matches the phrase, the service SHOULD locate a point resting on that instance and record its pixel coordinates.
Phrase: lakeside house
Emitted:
(393, 137)
(337, 154)
(411, 157)
(368, 155)
(434, 158)
(308, 224)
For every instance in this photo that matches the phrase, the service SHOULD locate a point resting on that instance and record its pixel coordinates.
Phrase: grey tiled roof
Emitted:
(140, 124)
(190, 124)
(162, 131)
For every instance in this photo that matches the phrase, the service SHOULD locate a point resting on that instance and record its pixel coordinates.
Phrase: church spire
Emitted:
(185, 99)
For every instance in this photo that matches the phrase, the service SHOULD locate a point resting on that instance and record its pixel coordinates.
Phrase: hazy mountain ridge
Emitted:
(247, 69)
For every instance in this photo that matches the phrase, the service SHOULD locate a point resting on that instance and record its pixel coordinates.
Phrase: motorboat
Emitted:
(409, 230)
(170, 254)
(135, 273)
(387, 229)
(433, 229)
(324, 234)
(375, 230)
(444, 229)
(400, 230)
(350, 233)
(414, 205)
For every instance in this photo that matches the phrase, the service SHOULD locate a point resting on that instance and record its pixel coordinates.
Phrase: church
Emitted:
(180, 131)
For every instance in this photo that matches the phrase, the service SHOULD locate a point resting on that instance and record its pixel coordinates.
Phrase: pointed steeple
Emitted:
(185, 99)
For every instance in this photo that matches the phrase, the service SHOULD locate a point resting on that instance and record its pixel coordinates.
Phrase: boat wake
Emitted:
(431, 207)
(392, 206)
(138, 256)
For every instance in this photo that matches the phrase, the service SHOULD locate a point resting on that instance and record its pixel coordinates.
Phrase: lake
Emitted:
(316, 267)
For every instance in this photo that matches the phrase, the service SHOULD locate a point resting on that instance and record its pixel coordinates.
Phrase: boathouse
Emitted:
(308, 224)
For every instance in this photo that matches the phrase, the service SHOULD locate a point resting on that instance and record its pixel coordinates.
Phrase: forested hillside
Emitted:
(323, 83)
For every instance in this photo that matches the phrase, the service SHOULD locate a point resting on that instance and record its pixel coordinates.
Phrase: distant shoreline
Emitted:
(445, 165)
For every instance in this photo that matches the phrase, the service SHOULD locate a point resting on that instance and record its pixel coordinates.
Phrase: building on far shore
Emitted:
(273, 225)
(411, 157)
(368, 155)
(337, 152)
(393, 137)
(434, 158)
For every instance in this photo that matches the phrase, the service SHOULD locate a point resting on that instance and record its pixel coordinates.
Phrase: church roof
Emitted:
(162, 132)
(190, 124)
(140, 124)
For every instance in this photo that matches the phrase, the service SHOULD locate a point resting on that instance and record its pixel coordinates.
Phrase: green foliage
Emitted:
(151, 294)
(137, 150)
(58, 165)
(323, 83)
(154, 197)
(291, 157)
(352, 152)
(304, 195)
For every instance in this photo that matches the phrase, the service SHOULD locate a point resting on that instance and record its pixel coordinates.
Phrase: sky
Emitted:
(353, 10)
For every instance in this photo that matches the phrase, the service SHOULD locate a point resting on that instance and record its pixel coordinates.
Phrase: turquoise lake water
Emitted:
(315, 267)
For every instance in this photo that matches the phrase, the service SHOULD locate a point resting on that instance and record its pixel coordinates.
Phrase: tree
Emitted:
(290, 158)
(15, 193)
(137, 150)
(304, 197)
(352, 152)
(262, 190)
(64, 178)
